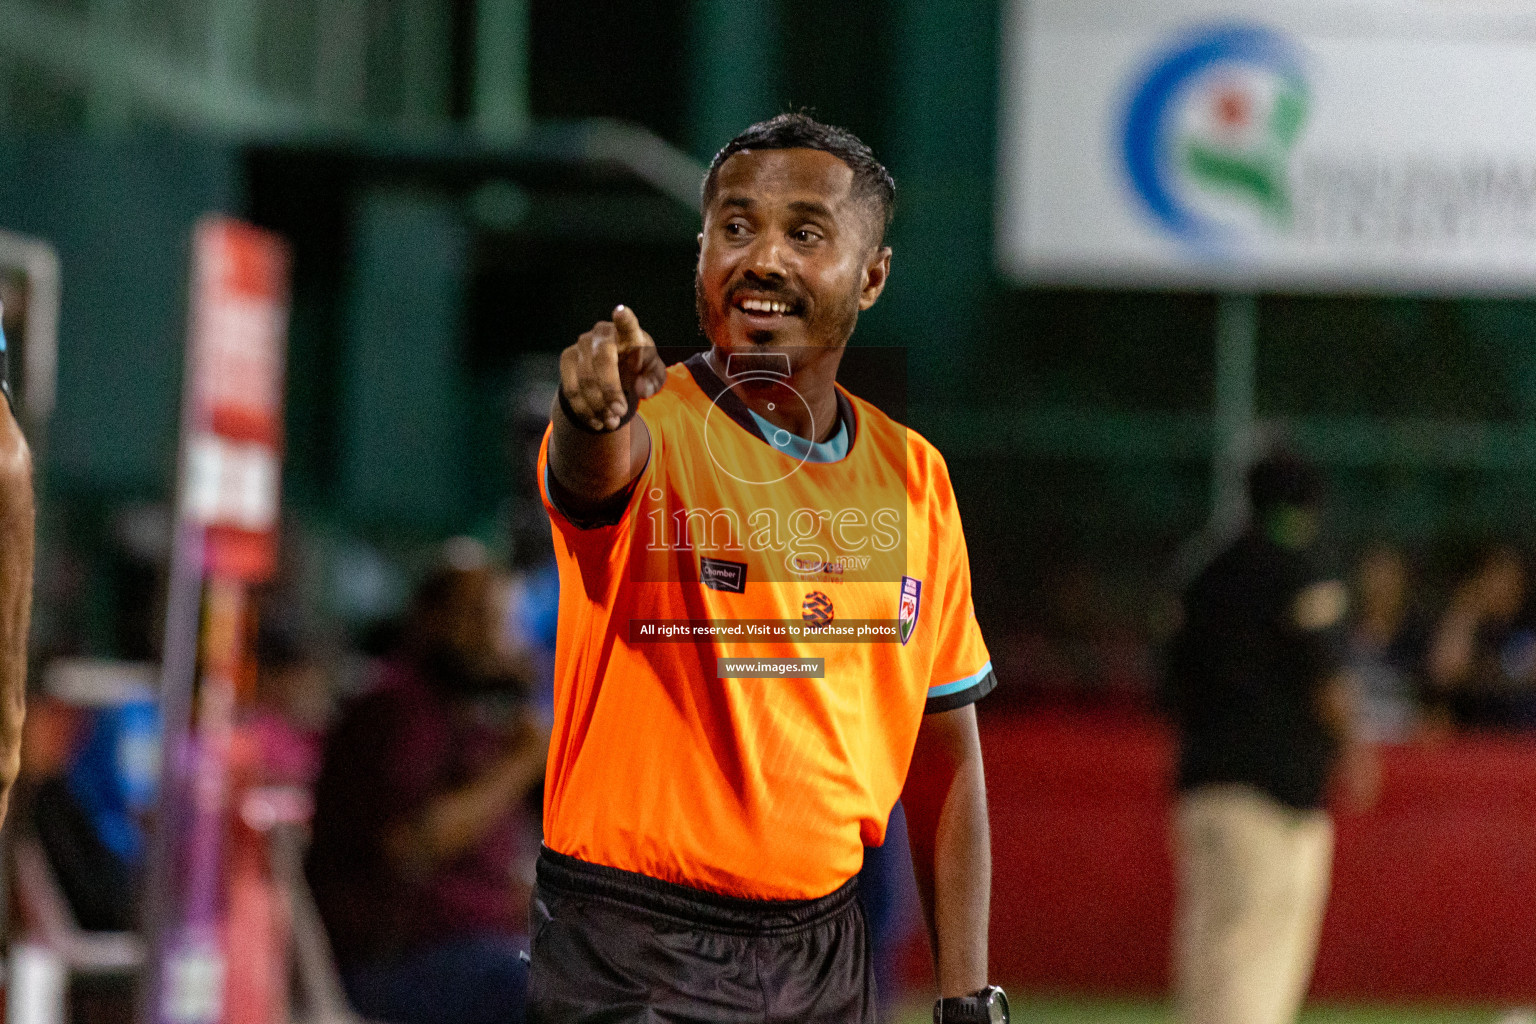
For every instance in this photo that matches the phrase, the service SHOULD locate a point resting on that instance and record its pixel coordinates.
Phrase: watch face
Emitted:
(997, 1007)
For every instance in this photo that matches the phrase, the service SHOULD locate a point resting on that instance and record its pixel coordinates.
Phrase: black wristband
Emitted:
(582, 425)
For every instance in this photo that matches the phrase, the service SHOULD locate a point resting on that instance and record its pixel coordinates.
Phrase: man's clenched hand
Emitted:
(609, 369)
(597, 448)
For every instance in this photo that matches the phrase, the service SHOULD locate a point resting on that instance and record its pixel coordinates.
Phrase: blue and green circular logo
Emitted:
(1209, 131)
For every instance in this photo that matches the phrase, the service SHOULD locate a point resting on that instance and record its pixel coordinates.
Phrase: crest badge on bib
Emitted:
(911, 604)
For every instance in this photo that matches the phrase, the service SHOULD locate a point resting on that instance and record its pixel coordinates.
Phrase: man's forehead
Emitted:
(784, 174)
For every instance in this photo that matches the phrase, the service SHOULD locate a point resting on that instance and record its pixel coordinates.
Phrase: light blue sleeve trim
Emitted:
(945, 689)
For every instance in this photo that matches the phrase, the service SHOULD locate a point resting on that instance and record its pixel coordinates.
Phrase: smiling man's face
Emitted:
(789, 254)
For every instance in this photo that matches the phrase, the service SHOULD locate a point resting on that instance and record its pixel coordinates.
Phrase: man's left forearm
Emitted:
(946, 805)
(16, 544)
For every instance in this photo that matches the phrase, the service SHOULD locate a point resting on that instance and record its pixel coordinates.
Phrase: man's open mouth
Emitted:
(764, 309)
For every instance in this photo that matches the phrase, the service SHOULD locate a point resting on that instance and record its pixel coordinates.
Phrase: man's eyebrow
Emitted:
(738, 202)
(810, 208)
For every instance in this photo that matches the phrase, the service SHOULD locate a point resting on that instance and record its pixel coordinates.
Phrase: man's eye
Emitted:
(735, 229)
(807, 235)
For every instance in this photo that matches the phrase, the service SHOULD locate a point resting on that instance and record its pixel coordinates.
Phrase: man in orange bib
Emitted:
(766, 635)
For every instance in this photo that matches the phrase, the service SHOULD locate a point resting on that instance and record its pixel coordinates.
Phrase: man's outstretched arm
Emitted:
(16, 543)
(946, 805)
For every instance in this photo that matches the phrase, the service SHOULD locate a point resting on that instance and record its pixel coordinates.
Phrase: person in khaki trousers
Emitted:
(1255, 682)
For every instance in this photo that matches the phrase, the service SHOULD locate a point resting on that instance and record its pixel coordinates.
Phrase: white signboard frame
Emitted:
(38, 262)
(1318, 145)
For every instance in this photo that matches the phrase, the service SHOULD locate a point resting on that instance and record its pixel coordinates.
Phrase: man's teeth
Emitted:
(764, 306)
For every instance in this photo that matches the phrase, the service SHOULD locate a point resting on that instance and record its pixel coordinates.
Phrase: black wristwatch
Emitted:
(989, 1006)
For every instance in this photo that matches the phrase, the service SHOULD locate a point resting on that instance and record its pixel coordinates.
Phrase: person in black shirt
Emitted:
(1256, 684)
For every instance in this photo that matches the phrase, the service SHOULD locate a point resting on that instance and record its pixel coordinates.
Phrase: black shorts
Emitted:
(615, 946)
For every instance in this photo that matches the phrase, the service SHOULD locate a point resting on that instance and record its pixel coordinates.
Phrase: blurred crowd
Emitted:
(399, 693)
(1471, 662)
(1429, 651)
(425, 778)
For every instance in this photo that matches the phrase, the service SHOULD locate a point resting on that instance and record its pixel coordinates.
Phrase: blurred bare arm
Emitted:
(1358, 768)
(946, 804)
(454, 822)
(1451, 651)
(16, 556)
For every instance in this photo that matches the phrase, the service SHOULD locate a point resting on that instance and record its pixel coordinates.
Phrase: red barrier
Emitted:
(1434, 893)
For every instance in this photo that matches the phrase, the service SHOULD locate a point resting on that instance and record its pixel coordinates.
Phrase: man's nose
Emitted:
(767, 260)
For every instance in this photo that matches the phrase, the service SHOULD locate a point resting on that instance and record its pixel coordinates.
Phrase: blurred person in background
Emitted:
(1263, 707)
(533, 612)
(1386, 646)
(91, 808)
(1482, 657)
(293, 699)
(533, 603)
(17, 542)
(887, 891)
(419, 817)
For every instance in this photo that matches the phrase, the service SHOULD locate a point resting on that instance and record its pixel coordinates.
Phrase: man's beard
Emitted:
(700, 307)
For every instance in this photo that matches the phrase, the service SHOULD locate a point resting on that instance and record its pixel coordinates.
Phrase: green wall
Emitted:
(120, 212)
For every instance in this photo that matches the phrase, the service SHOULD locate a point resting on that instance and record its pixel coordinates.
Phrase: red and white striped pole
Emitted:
(226, 539)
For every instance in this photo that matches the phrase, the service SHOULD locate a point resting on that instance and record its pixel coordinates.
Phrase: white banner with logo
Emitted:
(1331, 144)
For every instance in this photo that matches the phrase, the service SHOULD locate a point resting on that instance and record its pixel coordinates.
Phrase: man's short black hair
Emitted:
(871, 181)
(1283, 478)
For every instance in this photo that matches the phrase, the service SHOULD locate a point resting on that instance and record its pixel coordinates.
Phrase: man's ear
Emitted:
(876, 272)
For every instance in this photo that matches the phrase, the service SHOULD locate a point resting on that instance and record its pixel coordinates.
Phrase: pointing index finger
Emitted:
(628, 325)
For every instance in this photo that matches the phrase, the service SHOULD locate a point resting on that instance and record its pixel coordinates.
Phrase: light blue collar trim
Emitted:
(793, 445)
